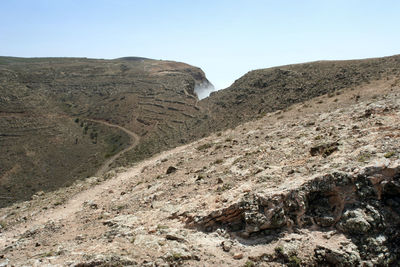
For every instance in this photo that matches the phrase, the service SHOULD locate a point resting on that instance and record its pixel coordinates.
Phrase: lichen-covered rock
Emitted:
(325, 221)
(180, 254)
(354, 204)
(347, 256)
(287, 249)
(354, 222)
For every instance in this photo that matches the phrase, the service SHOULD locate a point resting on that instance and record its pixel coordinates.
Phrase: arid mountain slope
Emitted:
(265, 90)
(314, 185)
(51, 111)
(54, 111)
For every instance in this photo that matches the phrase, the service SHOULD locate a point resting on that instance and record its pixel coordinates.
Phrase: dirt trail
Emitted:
(135, 140)
(76, 202)
(97, 193)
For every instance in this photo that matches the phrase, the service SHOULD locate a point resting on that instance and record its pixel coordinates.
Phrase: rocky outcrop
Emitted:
(337, 257)
(363, 205)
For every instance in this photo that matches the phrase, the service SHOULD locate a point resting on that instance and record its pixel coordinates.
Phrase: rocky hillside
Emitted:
(266, 90)
(64, 119)
(59, 117)
(316, 184)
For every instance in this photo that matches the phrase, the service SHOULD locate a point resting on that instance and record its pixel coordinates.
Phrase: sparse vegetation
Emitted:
(115, 144)
(119, 207)
(389, 154)
(249, 264)
(162, 227)
(237, 160)
(204, 146)
(318, 137)
(218, 161)
(59, 202)
(364, 157)
(294, 261)
(47, 254)
(279, 250)
(325, 149)
(218, 147)
(175, 257)
(263, 179)
(224, 187)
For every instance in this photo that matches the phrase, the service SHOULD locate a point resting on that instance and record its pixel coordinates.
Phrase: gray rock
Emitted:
(179, 254)
(287, 249)
(355, 222)
(345, 257)
(226, 245)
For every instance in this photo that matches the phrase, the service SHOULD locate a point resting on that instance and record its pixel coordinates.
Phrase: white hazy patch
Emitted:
(203, 91)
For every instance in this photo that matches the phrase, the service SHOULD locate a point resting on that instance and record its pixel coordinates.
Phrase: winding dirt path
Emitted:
(76, 201)
(134, 142)
(98, 194)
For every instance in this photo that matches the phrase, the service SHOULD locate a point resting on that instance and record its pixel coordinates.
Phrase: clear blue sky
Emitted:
(226, 38)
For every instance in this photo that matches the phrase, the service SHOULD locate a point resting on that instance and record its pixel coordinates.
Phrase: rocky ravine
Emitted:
(316, 184)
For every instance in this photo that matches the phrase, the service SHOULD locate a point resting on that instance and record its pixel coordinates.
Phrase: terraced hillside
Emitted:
(52, 114)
